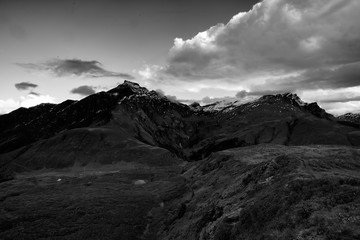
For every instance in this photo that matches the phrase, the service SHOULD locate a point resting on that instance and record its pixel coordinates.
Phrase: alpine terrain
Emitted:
(130, 163)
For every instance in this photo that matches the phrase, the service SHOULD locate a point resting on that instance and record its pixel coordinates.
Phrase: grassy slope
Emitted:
(257, 192)
(93, 205)
(272, 192)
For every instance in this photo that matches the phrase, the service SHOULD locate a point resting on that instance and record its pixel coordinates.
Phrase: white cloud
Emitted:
(8, 105)
(279, 45)
(29, 100)
(274, 38)
(339, 108)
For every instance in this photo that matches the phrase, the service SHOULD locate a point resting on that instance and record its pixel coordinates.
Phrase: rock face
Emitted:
(206, 172)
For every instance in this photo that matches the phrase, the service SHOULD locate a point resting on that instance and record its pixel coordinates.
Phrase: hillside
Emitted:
(135, 165)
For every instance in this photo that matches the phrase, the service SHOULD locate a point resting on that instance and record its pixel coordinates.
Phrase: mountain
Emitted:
(134, 153)
(132, 115)
(350, 118)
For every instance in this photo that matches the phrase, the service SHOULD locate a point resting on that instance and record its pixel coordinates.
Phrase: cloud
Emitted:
(34, 93)
(279, 45)
(241, 94)
(339, 108)
(342, 100)
(161, 93)
(209, 100)
(83, 90)
(25, 85)
(74, 67)
(29, 100)
(8, 105)
(344, 95)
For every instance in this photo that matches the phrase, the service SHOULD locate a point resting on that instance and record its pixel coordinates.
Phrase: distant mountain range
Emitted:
(119, 124)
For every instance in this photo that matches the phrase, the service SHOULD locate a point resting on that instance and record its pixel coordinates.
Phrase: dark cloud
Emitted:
(241, 94)
(172, 98)
(341, 100)
(34, 93)
(75, 67)
(25, 85)
(83, 90)
(342, 76)
(160, 92)
(334, 77)
(169, 97)
(245, 94)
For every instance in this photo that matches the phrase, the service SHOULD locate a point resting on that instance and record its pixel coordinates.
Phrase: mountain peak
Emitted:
(292, 98)
(131, 84)
(295, 100)
(128, 88)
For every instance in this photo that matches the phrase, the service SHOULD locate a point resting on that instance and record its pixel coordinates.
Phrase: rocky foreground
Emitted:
(131, 164)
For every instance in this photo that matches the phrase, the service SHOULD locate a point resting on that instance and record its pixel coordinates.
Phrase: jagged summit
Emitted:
(350, 119)
(226, 106)
(128, 88)
(129, 83)
(292, 98)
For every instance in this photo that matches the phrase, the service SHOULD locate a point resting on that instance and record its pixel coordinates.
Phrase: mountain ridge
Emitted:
(191, 134)
(131, 164)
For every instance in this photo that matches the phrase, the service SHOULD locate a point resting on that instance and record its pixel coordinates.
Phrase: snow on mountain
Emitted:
(294, 98)
(224, 106)
(350, 117)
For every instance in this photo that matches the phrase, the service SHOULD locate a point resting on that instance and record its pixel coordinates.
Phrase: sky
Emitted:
(200, 50)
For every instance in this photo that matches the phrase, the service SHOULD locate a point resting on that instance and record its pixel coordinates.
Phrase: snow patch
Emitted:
(225, 106)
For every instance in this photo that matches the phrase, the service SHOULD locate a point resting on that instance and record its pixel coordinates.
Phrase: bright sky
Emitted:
(54, 50)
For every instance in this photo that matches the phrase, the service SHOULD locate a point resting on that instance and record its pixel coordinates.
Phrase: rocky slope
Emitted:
(352, 119)
(222, 171)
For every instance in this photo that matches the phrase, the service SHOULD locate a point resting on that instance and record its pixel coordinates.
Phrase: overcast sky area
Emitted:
(206, 50)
